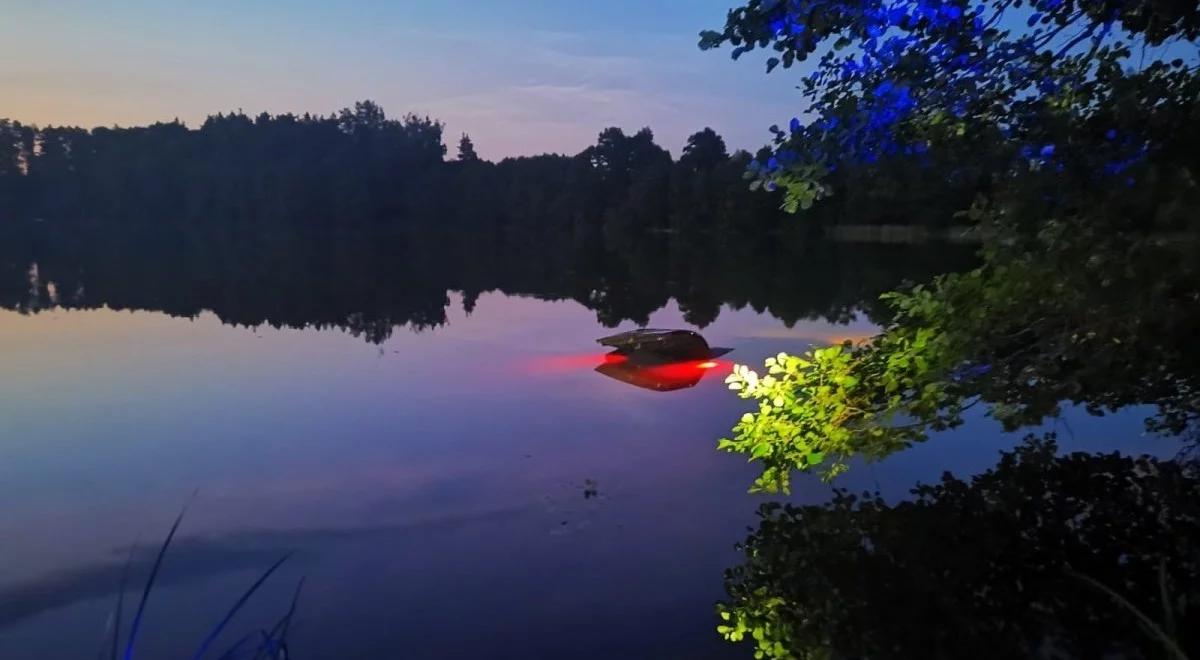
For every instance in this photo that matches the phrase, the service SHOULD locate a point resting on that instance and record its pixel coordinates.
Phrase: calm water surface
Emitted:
(473, 490)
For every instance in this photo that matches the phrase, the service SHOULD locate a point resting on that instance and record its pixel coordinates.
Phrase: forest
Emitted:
(359, 167)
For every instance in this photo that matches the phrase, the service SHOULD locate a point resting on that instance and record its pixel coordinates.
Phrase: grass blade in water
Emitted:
(212, 636)
(141, 610)
(233, 650)
(116, 638)
(280, 630)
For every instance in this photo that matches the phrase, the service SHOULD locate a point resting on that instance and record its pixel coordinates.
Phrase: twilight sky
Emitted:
(521, 76)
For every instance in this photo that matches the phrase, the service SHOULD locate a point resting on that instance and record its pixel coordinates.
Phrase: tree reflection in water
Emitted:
(1082, 555)
(371, 281)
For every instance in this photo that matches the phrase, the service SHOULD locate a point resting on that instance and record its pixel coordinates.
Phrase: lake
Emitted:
(453, 483)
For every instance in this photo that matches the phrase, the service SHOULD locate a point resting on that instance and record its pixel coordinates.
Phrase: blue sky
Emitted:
(521, 76)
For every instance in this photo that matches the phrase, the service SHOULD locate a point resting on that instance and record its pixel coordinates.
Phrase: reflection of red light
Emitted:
(670, 372)
(679, 370)
(553, 364)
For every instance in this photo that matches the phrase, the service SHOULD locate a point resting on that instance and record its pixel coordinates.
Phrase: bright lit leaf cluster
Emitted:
(1079, 312)
(818, 410)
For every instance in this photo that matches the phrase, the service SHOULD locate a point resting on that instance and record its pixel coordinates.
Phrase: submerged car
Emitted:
(660, 360)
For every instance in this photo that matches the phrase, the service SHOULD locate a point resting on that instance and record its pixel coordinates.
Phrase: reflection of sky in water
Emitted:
(433, 485)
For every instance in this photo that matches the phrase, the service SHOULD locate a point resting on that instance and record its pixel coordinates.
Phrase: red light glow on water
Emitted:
(566, 363)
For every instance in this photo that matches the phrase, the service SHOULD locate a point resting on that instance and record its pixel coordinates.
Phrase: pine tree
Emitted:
(466, 150)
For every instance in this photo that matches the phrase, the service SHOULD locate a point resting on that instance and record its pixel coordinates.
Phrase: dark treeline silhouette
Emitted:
(359, 165)
(348, 163)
